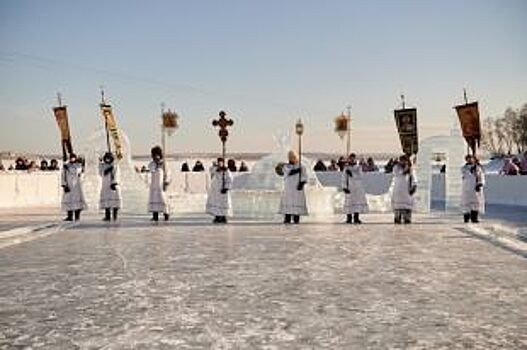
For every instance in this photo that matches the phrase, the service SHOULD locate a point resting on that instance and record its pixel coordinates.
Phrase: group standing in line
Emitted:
(293, 203)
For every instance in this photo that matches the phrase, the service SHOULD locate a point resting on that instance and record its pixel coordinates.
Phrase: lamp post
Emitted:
(299, 129)
(348, 124)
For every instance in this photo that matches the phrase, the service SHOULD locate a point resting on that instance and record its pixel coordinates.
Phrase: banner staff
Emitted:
(348, 144)
(163, 143)
(466, 103)
(103, 104)
(299, 129)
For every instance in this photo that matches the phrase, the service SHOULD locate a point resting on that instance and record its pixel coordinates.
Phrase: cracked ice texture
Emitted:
(190, 285)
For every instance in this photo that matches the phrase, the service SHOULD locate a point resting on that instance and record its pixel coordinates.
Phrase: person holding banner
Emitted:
(218, 196)
(110, 199)
(159, 181)
(73, 197)
(293, 201)
(355, 198)
(473, 181)
(404, 188)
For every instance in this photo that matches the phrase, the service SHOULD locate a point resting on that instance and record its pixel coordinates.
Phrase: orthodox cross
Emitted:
(223, 123)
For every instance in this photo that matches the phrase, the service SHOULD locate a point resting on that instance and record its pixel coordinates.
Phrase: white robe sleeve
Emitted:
(116, 174)
(481, 176)
(228, 180)
(64, 175)
(303, 174)
(344, 182)
(167, 176)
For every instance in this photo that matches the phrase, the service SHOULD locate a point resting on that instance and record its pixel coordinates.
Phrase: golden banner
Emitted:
(61, 116)
(170, 120)
(111, 126)
(468, 115)
(341, 125)
(406, 122)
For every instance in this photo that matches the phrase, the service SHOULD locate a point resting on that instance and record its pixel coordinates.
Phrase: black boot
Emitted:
(155, 216)
(77, 215)
(397, 217)
(166, 216)
(466, 217)
(216, 220)
(115, 211)
(296, 219)
(107, 216)
(407, 216)
(356, 218)
(70, 216)
(349, 219)
(224, 219)
(287, 218)
(474, 216)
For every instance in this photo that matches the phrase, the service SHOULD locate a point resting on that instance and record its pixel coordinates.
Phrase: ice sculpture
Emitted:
(453, 147)
(257, 194)
(134, 190)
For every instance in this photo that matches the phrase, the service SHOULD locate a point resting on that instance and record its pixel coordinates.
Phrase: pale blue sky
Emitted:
(265, 62)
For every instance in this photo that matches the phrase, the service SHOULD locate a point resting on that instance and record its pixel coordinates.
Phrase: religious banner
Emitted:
(170, 121)
(111, 126)
(341, 125)
(468, 115)
(406, 121)
(61, 115)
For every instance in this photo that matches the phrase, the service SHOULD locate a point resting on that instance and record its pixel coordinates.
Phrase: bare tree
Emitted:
(499, 131)
(509, 129)
(522, 126)
(488, 137)
(507, 133)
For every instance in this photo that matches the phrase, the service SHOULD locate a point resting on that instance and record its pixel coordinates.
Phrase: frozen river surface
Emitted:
(257, 285)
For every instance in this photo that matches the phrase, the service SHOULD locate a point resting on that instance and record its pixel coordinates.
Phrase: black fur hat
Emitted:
(156, 150)
(108, 157)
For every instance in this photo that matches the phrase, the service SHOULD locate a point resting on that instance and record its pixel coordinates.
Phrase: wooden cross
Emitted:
(223, 123)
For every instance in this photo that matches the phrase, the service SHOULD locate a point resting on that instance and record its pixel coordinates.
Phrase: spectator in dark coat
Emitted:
(185, 168)
(243, 167)
(319, 166)
(198, 166)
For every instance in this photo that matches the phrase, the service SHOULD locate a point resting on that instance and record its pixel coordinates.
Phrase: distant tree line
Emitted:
(506, 134)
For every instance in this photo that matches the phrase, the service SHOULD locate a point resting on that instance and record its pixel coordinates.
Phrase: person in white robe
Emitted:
(355, 202)
(73, 201)
(404, 188)
(472, 196)
(293, 200)
(110, 197)
(159, 182)
(218, 196)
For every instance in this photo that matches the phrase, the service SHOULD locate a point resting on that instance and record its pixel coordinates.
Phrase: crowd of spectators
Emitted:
(231, 165)
(24, 164)
(368, 165)
(199, 167)
(515, 166)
